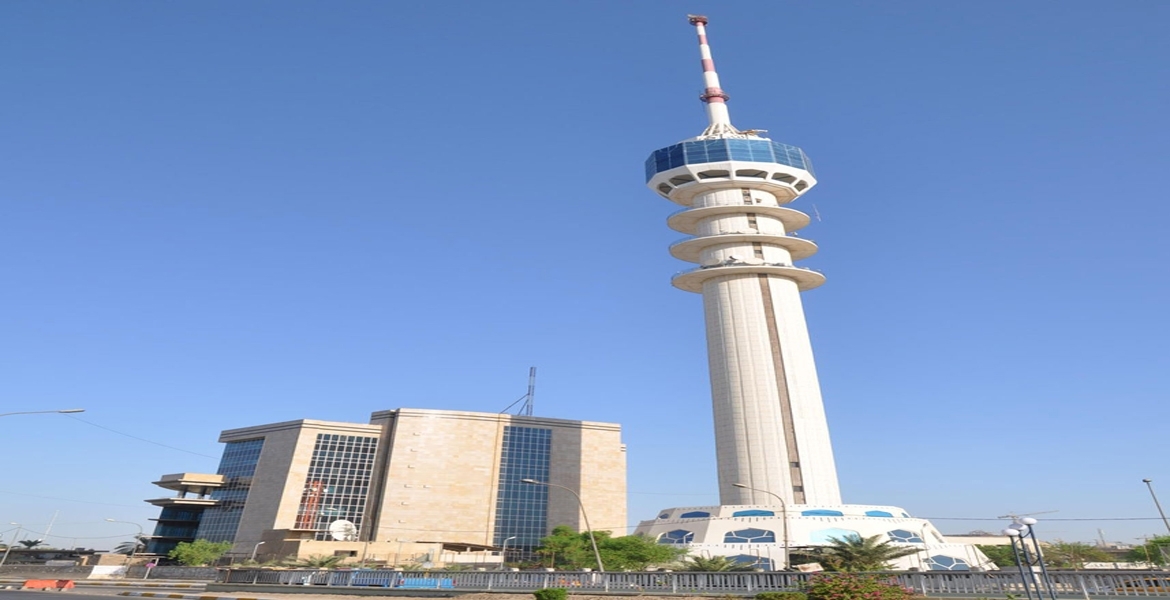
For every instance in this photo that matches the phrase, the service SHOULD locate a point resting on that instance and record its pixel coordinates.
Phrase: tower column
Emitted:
(770, 428)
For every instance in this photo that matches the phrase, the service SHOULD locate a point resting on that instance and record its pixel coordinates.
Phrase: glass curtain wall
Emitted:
(522, 508)
(238, 465)
(337, 486)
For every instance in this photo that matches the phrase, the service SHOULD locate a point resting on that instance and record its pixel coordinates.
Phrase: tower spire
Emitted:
(718, 119)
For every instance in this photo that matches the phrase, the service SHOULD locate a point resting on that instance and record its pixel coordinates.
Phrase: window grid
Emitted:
(522, 508)
(750, 536)
(238, 465)
(705, 151)
(338, 483)
(904, 536)
(678, 536)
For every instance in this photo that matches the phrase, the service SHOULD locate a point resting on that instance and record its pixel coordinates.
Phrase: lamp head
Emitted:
(1028, 521)
(529, 481)
(1011, 532)
(1147, 480)
(738, 485)
(111, 520)
(72, 410)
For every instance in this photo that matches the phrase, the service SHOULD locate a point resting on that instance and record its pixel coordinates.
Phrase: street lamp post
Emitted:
(504, 552)
(1150, 484)
(39, 412)
(592, 540)
(16, 535)
(255, 548)
(1030, 560)
(783, 517)
(137, 540)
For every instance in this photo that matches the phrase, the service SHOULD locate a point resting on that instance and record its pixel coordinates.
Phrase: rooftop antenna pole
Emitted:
(531, 391)
(525, 401)
(718, 119)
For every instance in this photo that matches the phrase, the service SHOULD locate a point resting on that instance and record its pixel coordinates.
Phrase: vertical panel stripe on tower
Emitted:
(782, 389)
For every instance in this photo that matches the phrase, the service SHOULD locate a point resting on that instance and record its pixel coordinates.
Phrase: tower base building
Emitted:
(763, 536)
(778, 483)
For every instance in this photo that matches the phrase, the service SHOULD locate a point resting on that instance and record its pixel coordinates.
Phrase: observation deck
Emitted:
(684, 170)
(735, 187)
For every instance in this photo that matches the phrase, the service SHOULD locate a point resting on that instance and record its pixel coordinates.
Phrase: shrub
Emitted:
(551, 594)
(781, 596)
(846, 586)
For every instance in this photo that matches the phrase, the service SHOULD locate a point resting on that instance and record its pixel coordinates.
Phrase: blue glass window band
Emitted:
(705, 151)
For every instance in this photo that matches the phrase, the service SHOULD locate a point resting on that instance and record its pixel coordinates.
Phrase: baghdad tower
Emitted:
(771, 435)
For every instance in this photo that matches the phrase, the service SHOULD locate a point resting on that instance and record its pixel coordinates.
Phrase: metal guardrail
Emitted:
(1081, 584)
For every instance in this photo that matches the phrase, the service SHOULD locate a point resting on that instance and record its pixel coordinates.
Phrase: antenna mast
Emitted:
(531, 397)
(718, 119)
(526, 399)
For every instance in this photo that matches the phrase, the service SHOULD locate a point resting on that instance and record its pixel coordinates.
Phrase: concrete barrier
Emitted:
(47, 584)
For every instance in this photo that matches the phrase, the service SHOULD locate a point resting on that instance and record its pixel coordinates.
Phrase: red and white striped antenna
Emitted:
(718, 119)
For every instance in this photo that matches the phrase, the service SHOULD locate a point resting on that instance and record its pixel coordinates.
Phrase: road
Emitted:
(29, 594)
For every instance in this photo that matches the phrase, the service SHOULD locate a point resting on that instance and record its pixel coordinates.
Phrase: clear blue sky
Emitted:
(220, 214)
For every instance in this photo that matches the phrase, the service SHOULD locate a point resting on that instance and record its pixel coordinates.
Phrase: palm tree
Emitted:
(318, 561)
(855, 553)
(713, 564)
(30, 544)
(134, 546)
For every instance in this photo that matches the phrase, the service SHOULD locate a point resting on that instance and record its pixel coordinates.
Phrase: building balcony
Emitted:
(689, 249)
(196, 483)
(180, 502)
(692, 281)
(687, 219)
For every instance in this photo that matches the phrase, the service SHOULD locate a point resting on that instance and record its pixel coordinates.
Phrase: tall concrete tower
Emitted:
(771, 435)
(777, 480)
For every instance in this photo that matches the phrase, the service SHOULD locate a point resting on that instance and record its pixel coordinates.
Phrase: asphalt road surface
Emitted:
(30, 594)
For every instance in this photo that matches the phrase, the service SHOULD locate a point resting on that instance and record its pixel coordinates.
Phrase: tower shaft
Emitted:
(771, 434)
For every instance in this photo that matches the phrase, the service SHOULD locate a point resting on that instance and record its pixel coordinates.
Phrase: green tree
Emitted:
(200, 552)
(565, 548)
(1155, 550)
(849, 586)
(713, 564)
(855, 553)
(634, 552)
(30, 544)
(1002, 556)
(1072, 555)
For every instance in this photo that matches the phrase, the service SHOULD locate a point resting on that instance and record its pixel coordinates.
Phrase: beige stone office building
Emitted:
(413, 485)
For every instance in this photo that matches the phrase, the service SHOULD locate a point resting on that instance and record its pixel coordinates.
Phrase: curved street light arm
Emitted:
(783, 517)
(585, 515)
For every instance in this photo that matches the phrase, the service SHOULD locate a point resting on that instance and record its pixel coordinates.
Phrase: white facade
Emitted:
(756, 534)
